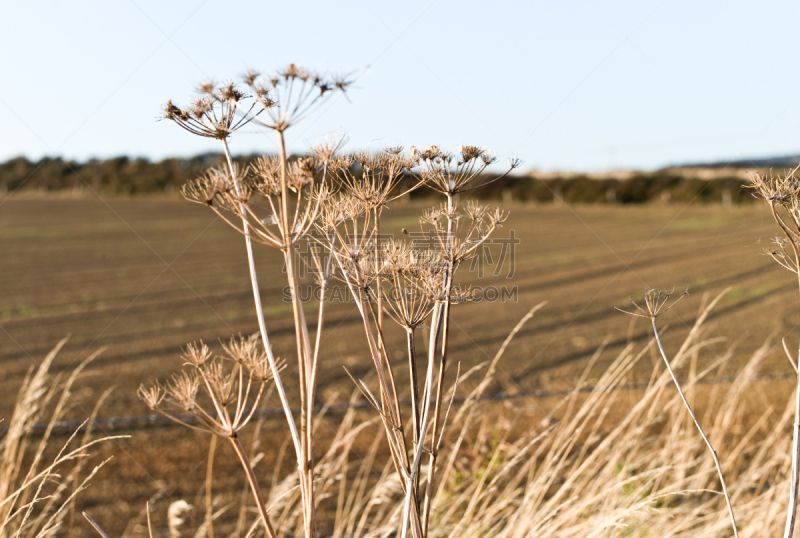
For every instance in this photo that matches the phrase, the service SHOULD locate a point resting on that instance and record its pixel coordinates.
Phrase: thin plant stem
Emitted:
(212, 449)
(445, 320)
(305, 465)
(251, 479)
(794, 485)
(392, 399)
(273, 365)
(378, 280)
(410, 499)
(699, 428)
(412, 368)
(791, 515)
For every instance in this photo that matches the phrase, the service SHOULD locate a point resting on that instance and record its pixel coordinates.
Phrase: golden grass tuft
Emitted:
(39, 479)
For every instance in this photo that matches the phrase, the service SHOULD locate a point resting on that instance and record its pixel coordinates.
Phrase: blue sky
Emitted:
(567, 85)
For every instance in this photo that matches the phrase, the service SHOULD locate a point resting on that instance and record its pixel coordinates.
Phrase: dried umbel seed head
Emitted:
(196, 354)
(460, 295)
(496, 217)
(450, 174)
(240, 349)
(356, 258)
(230, 394)
(469, 153)
(396, 255)
(301, 173)
(655, 301)
(407, 302)
(207, 188)
(291, 94)
(292, 72)
(781, 190)
(488, 158)
(152, 396)
(432, 154)
(434, 283)
(325, 152)
(261, 92)
(260, 370)
(476, 211)
(219, 112)
(394, 150)
(264, 175)
(340, 165)
(200, 107)
(230, 93)
(219, 381)
(373, 178)
(250, 77)
(433, 215)
(341, 208)
(182, 390)
(783, 252)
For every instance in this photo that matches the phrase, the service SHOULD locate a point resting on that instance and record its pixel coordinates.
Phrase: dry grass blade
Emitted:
(37, 490)
(99, 529)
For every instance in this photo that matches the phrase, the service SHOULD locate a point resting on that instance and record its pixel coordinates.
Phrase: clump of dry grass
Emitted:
(604, 463)
(604, 460)
(37, 487)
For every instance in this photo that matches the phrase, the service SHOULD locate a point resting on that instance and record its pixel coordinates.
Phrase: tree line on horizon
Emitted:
(138, 175)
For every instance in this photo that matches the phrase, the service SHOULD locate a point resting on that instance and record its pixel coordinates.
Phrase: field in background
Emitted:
(143, 276)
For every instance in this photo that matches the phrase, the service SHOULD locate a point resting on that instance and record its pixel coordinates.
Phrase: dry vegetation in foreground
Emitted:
(603, 460)
(591, 467)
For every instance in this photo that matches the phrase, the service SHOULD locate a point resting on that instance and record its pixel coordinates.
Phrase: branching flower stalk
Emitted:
(297, 94)
(345, 222)
(411, 277)
(373, 179)
(656, 303)
(278, 101)
(421, 284)
(350, 220)
(783, 196)
(221, 401)
(451, 175)
(213, 115)
(343, 199)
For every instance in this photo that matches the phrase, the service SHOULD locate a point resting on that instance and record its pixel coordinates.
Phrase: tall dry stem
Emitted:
(783, 196)
(656, 303)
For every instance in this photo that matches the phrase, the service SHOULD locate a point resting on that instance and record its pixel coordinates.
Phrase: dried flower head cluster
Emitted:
(374, 178)
(452, 173)
(292, 94)
(783, 190)
(460, 234)
(216, 113)
(218, 190)
(783, 253)
(782, 193)
(352, 243)
(655, 303)
(415, 279)
(220, 393)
